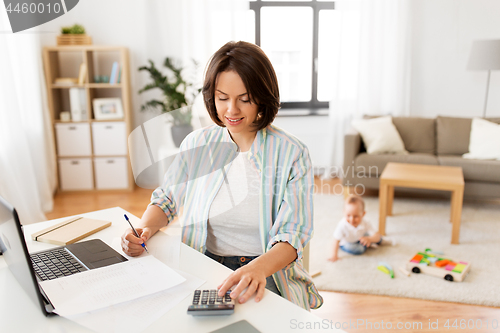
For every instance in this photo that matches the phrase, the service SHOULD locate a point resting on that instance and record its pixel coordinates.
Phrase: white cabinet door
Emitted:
(73, 139)
(111, 173)
(76, 174)
(109, 138)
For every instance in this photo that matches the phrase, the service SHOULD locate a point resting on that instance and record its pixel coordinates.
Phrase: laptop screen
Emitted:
(15, 252)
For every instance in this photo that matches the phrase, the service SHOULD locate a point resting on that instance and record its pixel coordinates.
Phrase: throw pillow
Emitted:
(380, 135)
(484, 141)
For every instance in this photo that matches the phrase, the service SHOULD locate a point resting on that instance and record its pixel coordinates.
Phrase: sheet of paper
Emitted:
(106, 286)
(166, 248)
(137, 315)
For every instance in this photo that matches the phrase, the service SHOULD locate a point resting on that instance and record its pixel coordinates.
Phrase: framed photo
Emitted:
(107, 108)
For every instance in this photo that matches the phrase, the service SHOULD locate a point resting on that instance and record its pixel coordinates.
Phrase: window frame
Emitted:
(257, 5)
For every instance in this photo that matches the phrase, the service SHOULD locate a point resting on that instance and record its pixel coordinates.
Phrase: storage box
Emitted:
(111, 173)
(73, 139)
(76, 174)
(109, 138)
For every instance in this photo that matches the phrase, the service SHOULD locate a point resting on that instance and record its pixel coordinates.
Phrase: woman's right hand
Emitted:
(131, 245)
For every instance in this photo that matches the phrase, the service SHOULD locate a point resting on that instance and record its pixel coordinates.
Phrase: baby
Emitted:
(353, 234)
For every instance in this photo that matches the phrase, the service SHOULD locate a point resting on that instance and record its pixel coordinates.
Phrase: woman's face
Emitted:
(233, 104)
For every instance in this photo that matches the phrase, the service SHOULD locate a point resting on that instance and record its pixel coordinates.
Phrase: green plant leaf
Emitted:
(77, 29)
(173, 88)
(153, 105)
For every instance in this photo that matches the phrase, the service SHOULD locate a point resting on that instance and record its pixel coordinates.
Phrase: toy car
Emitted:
(438, 265)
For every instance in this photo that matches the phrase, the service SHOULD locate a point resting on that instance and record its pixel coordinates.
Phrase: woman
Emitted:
(252, 210)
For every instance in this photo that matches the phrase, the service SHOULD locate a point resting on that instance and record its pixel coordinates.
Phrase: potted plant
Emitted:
(74, 35)
(178, 95)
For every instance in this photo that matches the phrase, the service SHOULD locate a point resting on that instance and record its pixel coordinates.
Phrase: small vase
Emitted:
(180, 132)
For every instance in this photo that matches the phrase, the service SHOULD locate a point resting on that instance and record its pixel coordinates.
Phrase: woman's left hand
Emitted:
(253, 275)
(250, 276)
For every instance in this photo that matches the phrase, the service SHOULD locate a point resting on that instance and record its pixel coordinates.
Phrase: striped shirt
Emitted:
(286, 196)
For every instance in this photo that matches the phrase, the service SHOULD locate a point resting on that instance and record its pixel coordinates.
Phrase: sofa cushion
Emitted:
(474, 170)
(484, 142)
(372, 165)
(379, 135)
(453, 134)
(418, 134)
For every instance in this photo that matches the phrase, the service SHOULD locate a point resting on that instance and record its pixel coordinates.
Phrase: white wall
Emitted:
(442, 34)
(313, 131)
(443, 31)
(150, 39)
(127, 23)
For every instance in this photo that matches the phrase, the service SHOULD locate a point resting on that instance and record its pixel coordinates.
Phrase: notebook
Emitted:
(86, 255)
(70, 231)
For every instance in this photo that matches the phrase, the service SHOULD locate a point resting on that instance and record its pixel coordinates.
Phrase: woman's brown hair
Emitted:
(257, 74)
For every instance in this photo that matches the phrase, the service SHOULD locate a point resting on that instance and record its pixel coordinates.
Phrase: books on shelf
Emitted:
(113, 78)
(78, 104)
(82, 73)
(68, 81)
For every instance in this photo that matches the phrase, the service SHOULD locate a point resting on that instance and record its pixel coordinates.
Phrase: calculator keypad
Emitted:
(207, 302)
(210, 297)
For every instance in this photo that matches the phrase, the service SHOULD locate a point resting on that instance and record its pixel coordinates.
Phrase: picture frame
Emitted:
(108, 108)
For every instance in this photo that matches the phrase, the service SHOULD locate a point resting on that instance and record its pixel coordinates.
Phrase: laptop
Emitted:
(30, 269)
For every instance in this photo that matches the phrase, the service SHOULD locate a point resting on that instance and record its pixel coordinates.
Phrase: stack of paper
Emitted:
(110, 285)
(125, 297)
(138, 314)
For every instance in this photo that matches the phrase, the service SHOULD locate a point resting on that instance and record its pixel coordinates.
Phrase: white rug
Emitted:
(417, 224)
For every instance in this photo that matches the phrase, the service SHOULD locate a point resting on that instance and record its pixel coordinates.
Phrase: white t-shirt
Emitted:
(347, 233)
(233, 219)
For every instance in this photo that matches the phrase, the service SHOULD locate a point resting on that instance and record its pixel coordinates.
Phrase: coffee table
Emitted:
(433, 177)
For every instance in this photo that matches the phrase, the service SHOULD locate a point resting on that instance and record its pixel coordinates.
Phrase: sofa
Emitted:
(431, 141)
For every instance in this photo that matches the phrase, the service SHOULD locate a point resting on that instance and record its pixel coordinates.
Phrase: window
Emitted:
(297, 37)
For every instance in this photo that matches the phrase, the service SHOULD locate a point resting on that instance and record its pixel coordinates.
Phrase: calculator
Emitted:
(207, 303)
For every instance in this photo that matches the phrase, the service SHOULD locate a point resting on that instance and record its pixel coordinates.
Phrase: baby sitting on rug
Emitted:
(353, 233)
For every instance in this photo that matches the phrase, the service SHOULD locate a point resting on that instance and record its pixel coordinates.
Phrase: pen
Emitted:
(135, 232)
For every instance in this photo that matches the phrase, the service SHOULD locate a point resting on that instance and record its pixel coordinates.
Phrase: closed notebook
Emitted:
(70, 231)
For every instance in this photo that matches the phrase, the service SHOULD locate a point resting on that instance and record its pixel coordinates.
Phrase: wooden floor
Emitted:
(340, 309)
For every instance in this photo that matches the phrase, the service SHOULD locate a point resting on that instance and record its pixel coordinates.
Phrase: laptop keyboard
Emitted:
(54, 264)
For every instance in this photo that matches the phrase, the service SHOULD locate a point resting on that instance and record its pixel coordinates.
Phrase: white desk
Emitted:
(274, 314)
